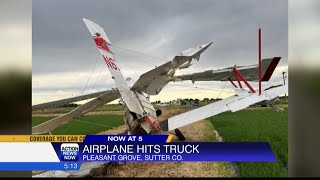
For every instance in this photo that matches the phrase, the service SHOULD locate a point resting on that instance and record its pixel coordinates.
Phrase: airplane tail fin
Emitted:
(269, 65)
(95, 28)
(102, 42)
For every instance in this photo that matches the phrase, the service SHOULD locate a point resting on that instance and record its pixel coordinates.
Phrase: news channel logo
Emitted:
(69, 151)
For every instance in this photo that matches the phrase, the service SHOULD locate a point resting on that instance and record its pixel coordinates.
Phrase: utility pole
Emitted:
(284, 76)
(259, 72)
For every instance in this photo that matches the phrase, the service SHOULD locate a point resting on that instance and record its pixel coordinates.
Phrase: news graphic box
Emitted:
(68, 152)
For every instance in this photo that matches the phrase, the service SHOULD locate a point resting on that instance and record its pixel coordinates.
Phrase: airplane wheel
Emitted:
(158, 112)
(179, 135)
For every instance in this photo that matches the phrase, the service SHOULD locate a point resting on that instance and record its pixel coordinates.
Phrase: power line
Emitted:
(203, 88)
(222, 90)
(136, 52)
(130, 67)
(84, 88)
(98, 77)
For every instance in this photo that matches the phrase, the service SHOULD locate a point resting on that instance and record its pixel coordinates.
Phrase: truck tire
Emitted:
(179, 134)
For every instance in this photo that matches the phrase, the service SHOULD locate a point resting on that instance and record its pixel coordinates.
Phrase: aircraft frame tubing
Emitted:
(233, 83)
(237, 74)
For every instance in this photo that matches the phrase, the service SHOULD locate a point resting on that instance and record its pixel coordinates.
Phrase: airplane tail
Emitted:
(102, 42)
(95, 28)
(268, 67)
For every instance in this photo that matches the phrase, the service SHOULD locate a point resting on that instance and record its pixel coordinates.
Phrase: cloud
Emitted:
(62, 44)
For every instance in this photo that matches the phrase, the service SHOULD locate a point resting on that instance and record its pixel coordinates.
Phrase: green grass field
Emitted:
(84, 125)
(258, 125)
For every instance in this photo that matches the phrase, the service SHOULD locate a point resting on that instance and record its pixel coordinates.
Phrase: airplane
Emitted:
(140, 116)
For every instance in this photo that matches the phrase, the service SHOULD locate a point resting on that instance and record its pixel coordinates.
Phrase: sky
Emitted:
(15, 35)
(66, 63)
(304, 36)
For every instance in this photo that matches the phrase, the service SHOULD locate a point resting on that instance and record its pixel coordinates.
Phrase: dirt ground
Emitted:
(200, 131)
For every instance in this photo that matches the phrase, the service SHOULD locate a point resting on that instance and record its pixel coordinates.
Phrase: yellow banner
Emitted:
(41, 138)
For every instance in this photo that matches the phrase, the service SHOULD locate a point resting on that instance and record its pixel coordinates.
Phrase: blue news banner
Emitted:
(138, 148)
(156, 148)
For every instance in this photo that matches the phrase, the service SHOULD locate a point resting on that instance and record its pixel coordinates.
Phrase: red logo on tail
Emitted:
(101, 43)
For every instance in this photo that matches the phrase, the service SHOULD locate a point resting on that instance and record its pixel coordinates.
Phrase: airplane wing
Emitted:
(62, 102)
(152, 82)
(233, 103)
(249, 72)
(50, 125)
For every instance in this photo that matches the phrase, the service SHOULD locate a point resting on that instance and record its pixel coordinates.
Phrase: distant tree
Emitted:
(70, 105)
(196, 102)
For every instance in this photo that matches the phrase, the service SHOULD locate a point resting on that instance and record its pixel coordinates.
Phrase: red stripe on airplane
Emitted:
(267, 75)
